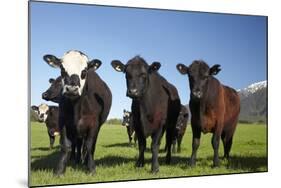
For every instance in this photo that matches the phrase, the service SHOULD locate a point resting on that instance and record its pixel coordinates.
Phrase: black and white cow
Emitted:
(84, 105)
(128, 122)
(50, 116)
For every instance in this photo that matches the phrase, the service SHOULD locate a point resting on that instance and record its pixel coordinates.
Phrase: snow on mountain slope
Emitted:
(252, 88)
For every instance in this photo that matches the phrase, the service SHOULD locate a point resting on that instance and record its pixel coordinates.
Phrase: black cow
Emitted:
(53, 93)
(50, 116)
(84, 105)
(214, 108)
(155, 106)
(180, 128)
(128, 122)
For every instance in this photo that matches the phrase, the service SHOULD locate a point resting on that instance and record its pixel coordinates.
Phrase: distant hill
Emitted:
(253, 102)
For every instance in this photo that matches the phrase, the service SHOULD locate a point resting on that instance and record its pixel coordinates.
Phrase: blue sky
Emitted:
(237, 43)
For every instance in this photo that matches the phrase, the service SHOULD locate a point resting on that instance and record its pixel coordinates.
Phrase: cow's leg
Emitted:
(196, 134)
(174, 145)
(52, 140)
(135, 139)
(73, 151)
(228, 147)
(90, 147)
(179, 139)
(78, 158)
(228, 140)
(215, 144)
(223, 138)
(142, 146)
(129, 135)
(227, 143)
(65, 150)
(155, 149)
(170, 133)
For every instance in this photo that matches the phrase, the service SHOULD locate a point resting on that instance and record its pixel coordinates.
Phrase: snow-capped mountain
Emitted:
(252, 88)
(254, 102)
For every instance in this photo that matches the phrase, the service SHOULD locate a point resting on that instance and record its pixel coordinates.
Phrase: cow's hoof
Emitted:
(191, 163)
(139, 164)
(58, 173)
(92, 172)
(216, 165)
(155, 171)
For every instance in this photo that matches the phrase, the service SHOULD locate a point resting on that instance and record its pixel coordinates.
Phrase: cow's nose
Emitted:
(44, 95)
(133, 91)
(197, 94)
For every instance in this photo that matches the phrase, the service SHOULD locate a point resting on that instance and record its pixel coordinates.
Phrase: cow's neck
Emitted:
(208, 101)
(148, 102)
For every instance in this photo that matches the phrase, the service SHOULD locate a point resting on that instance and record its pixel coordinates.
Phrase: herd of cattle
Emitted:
(85, 100)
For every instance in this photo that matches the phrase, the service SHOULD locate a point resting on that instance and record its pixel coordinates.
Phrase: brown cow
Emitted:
(214, 108)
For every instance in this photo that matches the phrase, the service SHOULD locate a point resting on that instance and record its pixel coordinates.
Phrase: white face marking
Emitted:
(126, 114)
(74, 62)
(43, 110)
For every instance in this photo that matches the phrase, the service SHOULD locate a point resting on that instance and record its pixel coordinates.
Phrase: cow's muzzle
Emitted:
(133, 93)
(71, 91)
(197, 94)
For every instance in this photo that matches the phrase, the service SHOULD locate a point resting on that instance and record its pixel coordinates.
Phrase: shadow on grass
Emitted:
(45, 148)
(126, 144)
(243, 163)
(250, 163)
(112, 160)
(50, 162)
(47, 162)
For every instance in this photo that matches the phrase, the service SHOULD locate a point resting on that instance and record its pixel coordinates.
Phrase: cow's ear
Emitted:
(182, 68)
(155, 66)
(35, 108)
(51, 80)
(96, 63)
(52, 60)
(214, 69)
(118, 65)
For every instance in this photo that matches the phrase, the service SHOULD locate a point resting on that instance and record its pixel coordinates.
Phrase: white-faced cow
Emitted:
(155, 106)
(214, 108)
(50, 116)
(84, 105)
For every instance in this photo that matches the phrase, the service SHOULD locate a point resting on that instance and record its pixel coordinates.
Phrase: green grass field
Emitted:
(115, 160)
